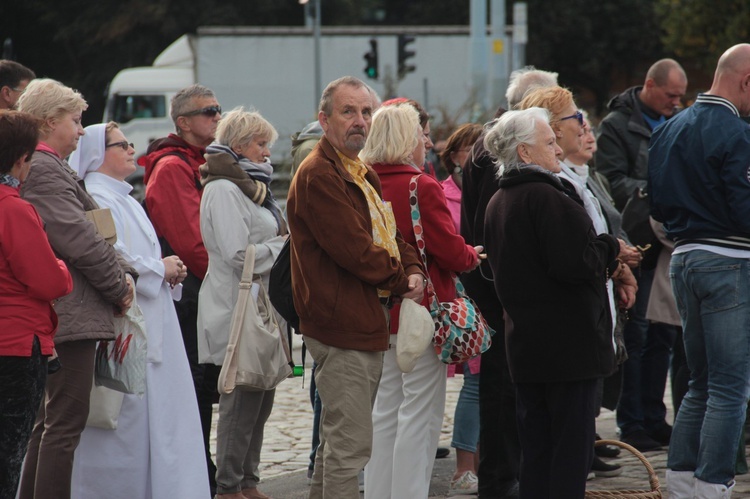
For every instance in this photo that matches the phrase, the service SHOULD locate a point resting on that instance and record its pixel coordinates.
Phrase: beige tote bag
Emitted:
(257, 356)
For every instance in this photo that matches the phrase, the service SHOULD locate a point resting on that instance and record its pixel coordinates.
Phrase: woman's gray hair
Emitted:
(509, 131)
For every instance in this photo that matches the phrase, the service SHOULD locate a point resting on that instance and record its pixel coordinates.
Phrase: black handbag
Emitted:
(280, 286)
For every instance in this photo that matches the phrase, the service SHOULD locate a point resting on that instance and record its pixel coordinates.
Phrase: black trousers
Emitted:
(22, 381)
(556, 425)
(499, 447)
(205, 376)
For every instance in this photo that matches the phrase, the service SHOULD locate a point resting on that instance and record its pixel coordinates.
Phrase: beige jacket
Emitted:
(98, 272)
(661, 303)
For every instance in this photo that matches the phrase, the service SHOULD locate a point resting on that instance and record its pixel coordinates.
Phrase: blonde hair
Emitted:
(238, 127)
(553, 99)
(49, 99)
(394, 134)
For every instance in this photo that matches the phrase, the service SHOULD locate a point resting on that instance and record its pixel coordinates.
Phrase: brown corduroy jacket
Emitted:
(336, 267)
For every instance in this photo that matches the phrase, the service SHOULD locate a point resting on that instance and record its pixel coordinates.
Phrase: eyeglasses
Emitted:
(124, 144)
(578, 115)
(209, 111)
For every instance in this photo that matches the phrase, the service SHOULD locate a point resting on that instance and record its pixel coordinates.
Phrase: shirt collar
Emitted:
(717, 100)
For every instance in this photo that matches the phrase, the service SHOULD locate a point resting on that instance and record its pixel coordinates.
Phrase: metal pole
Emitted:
(316, 36)
(520, 34)
(499, 55)
(478, 51)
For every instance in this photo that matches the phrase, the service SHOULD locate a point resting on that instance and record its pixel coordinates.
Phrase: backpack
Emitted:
(280, 286)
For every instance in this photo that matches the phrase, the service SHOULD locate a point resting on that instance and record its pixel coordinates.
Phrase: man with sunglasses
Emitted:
(622, 156)
(173, 197)
(13, 80)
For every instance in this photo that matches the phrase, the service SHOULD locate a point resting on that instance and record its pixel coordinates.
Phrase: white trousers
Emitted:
(407, 419)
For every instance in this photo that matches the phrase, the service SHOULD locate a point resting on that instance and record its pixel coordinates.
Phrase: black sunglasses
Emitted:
(578, 115)
(124, 144)
(209, 111)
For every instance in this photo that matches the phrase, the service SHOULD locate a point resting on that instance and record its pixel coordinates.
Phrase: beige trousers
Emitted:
(347, 381)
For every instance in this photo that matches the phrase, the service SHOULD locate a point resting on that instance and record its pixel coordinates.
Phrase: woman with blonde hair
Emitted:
(237, 209)
(156, 449)
(100, 287)
(408, 411)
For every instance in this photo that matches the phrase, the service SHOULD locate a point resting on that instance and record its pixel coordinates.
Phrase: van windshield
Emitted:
(129, 107)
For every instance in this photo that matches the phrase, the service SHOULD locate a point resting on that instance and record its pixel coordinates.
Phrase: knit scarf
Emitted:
(253, 179)
(9, 180)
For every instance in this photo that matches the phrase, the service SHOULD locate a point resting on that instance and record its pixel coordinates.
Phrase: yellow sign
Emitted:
(497, 46)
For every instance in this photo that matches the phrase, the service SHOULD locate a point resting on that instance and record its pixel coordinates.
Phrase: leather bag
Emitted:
(257, 356)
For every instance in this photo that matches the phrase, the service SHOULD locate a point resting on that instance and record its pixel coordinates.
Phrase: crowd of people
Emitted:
(592, 297)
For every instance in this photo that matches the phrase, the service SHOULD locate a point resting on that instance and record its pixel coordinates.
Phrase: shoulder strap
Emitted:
(416, 221)
(249, 265)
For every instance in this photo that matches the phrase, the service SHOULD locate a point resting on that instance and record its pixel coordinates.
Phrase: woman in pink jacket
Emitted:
(31, 277)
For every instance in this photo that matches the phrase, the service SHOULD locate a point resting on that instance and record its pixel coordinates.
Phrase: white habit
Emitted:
(157, 449)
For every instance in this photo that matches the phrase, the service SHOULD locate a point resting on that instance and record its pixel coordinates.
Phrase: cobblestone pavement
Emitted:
(286, 447)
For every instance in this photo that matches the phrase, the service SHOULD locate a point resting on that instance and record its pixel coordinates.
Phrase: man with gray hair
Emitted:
(526, 79)
(622, 156)
(173, 198)
(347, 267)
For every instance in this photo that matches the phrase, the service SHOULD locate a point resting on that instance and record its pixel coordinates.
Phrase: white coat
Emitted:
(229, 222)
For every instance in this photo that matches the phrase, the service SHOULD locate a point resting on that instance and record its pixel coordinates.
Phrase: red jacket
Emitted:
(173, 198)
(446, 250)
(30, 278)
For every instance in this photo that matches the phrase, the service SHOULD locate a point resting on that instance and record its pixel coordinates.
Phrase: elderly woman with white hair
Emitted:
(156, 449)
(551, 272)
(237, 209)
(100, 287)
(409, 407)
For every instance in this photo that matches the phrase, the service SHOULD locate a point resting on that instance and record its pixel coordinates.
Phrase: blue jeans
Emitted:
(713, 297)
(641, 405)
(466, 418)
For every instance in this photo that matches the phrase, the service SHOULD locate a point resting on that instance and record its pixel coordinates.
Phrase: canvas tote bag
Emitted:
(257, 356)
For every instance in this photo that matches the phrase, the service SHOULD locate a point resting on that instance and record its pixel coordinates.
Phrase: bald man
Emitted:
(699, 173)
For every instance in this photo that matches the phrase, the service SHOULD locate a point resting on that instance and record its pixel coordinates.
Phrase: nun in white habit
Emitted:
(157, 449)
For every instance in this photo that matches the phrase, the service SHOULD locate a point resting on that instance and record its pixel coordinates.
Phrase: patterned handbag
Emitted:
(460, 330)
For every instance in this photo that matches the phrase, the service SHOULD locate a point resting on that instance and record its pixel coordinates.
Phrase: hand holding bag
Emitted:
(460, 330)
(257, 356)
(121, 363)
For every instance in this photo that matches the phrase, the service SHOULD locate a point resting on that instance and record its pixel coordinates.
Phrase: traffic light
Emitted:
(403, 55)
(371, 70)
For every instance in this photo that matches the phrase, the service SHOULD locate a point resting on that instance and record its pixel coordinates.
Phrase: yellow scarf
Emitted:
(381, 213)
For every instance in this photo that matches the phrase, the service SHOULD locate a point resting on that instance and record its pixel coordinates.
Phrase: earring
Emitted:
(457, 169)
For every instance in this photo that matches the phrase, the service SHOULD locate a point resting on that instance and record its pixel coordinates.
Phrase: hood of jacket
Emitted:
(171, 144)
(626, 102)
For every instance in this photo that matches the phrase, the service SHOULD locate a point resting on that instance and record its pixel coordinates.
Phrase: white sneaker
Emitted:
(466, 484)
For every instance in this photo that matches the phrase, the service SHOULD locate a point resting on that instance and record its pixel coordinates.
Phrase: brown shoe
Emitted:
(254, 494)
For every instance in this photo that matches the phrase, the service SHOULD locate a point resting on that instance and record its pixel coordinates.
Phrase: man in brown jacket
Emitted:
(345, 271)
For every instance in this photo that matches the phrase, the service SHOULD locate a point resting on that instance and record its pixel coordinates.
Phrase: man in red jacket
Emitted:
(173, 199)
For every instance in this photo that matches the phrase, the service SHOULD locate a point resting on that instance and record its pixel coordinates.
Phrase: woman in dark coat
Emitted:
(551, 272)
